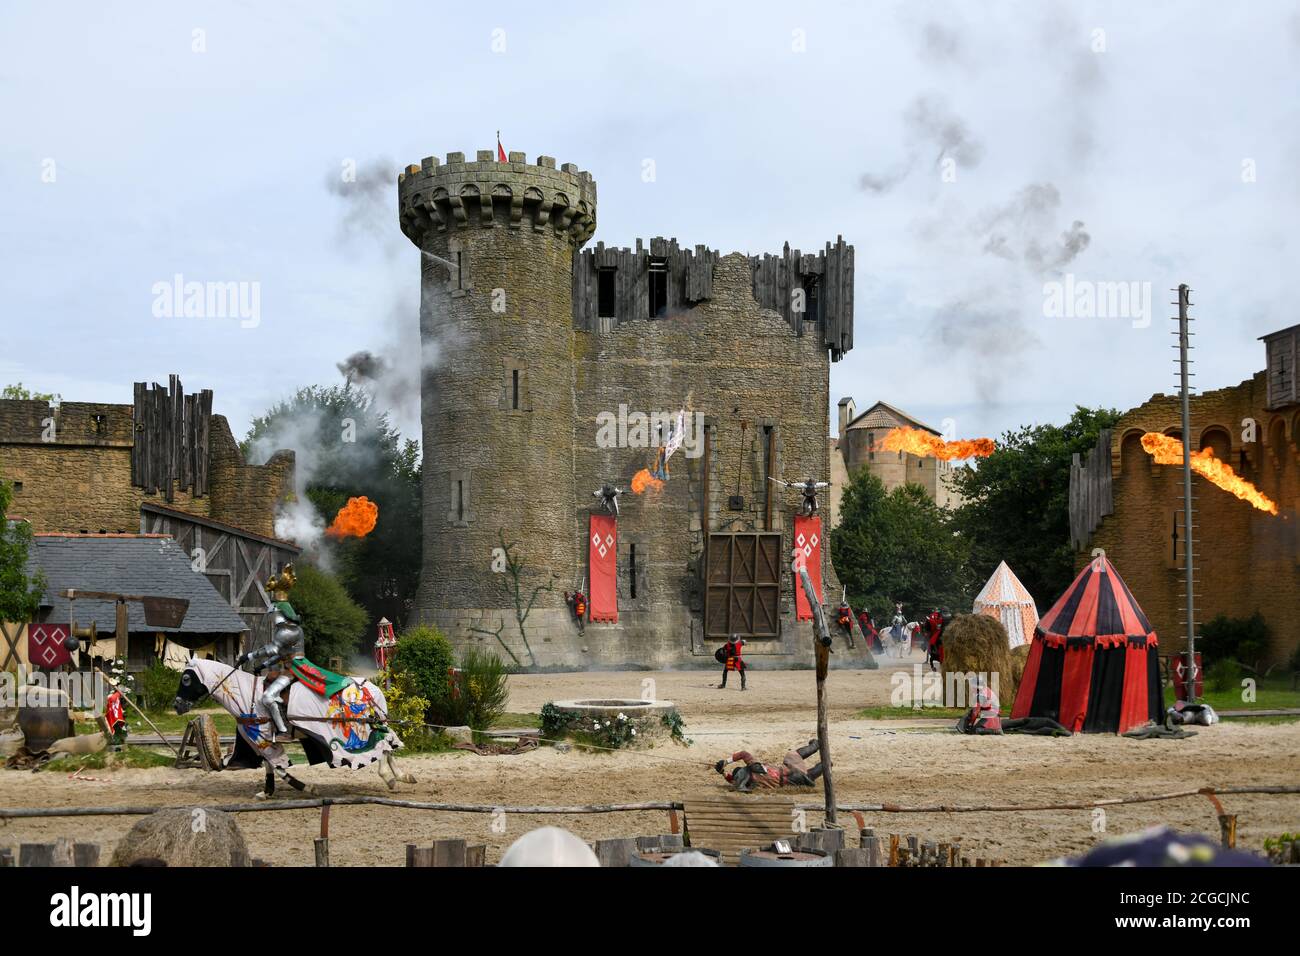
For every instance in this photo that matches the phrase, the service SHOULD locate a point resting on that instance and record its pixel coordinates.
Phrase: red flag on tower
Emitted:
(501, 153)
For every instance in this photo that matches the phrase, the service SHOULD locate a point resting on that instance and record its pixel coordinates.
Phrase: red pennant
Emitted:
(808, 545)
(501, 153)
(602, 551)
(45, 645)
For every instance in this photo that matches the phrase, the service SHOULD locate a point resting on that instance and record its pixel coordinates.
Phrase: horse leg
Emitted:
(268, 786)
(297, 784)
(389, 781)
(397, 772)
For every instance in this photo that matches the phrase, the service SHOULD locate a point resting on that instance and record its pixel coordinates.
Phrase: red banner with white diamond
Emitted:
(808, 545)
(602, 551)
(45, 645)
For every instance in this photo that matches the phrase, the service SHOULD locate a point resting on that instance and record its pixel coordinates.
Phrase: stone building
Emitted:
(164, 465)
(1246, 560)
(541, 359)
(860, 432)
(88, 467)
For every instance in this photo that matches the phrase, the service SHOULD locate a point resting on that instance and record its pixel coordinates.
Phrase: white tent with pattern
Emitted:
(1006, 599)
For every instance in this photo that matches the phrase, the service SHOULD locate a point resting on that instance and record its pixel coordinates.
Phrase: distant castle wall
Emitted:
(1246, 560)
(71, 466)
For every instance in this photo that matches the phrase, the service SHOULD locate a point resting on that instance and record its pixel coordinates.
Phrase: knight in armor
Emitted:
(284, 653)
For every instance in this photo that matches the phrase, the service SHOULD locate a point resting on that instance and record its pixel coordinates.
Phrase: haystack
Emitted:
(977, 644)
(178, 838)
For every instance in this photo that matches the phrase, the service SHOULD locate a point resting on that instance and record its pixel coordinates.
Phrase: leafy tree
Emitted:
(898, 546)
(24, 394)
(331, 621)
(1016, 504)
(345, 447)
(20, 593)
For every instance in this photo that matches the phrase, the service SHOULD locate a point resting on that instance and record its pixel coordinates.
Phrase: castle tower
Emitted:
(496, 327)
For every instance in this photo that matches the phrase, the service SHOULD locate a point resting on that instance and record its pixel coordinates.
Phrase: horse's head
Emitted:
(191, 689)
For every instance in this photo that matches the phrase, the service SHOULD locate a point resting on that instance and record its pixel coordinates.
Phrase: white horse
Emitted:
(347, 729)
(897, 638)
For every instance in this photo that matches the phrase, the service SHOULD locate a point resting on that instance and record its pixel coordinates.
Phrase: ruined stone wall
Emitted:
(74, 467)
(1246, 560)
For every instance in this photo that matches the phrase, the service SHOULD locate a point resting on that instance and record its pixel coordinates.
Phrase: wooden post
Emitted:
(1228, 829)
(322, 846)
(448, 853)
(121, 633)
(893, 849)
(852, 856)
(476, 855)
(85, 854)
(821, 653)
(6, 857)
(419, 856)
(615, 853)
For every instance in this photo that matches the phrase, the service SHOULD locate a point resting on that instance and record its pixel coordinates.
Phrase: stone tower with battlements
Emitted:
(531, 343)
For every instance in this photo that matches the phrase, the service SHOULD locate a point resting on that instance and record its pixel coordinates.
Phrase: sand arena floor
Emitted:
(905, 762)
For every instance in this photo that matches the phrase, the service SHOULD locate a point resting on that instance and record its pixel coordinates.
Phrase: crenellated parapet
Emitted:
(438, 198)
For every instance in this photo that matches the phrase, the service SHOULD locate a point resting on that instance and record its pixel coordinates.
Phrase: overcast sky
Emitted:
(970, 152)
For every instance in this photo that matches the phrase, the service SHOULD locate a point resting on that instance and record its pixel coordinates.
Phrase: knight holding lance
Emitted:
(283, 656)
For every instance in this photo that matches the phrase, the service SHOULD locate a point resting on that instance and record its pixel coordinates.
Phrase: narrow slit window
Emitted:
(605, 294)
(460, 499)
(514, 389)
(460, 282)
(631, 568)
(658, 288)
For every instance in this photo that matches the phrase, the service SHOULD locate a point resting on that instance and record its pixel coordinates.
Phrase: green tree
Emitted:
(17, 391)
(1016, 505)
(20, 593)
(331, 621)
(345, 447)
(898, 546)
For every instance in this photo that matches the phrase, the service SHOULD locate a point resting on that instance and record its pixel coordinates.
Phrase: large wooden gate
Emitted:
(743, 585)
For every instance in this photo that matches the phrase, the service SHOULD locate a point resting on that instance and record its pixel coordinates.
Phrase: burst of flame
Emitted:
(356, 519)
(1167, 450)
(914, 441)
(643, 480)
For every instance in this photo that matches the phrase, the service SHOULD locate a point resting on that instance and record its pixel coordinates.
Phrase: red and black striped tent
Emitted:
(1094, 662)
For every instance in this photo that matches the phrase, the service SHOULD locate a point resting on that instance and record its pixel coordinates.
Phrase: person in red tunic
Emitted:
(732, 661)
(793, 770)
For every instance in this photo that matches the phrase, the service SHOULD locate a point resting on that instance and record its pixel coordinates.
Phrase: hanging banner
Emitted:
(808, 542)
(602, 552)
(45, 645)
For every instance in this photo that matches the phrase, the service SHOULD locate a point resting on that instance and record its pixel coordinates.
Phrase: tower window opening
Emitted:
(100, 423)
(812, 302)
(631, 568)
(460, 499)
(658, 287)
(606, 307)
(460, 270)
(514, 389)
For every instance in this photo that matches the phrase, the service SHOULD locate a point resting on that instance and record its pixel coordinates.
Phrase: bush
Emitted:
(477, 697)
(331, 621)
(1223, 675)
(1242, 639)
(406, 710)
(423, 655)
(157, 685)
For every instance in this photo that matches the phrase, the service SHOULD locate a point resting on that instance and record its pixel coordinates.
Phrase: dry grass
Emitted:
(976, 643)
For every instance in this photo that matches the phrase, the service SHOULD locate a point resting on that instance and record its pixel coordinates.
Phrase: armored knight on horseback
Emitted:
(284, 655)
